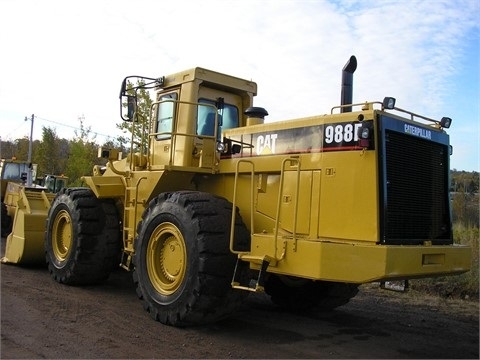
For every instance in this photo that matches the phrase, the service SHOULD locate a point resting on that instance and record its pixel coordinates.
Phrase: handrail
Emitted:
(292, 161)
(142, 138)
(234, 201)
(173, 134)
(370, 106)
(128, 232)
(279, 203)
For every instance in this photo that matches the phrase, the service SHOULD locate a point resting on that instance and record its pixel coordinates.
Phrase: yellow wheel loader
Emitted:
(218, 203)
(26, 209)
(12, 171)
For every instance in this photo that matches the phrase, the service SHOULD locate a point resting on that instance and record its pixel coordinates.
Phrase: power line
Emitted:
(12, 133)
(72, 127)
(57, 123)
(15, 130)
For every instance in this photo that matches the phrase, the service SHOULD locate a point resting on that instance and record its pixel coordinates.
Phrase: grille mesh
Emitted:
(416, 190)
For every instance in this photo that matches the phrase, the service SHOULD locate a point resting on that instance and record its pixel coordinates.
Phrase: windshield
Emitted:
(227, 115)
(14, 171)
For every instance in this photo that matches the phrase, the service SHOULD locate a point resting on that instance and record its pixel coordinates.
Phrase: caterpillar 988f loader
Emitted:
(217, 203)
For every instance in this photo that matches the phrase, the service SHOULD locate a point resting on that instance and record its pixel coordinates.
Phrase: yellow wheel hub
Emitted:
(62, 235)
(166, 258)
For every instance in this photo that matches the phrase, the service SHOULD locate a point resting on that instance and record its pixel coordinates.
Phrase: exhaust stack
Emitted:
(347, 83)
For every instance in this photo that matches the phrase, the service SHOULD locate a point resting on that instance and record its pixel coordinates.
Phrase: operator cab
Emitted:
(191, 111)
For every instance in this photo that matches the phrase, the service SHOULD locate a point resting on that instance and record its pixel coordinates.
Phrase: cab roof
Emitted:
(210, 77)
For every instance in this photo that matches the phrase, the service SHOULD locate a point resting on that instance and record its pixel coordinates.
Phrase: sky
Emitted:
(64, 61)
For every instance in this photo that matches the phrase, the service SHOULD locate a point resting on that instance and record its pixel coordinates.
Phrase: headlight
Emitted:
(389, 103)
(220, 147)
(364, 133)
(445, 122)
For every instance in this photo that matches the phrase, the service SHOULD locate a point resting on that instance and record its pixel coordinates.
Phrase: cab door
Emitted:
(217, 111)
(163, 130)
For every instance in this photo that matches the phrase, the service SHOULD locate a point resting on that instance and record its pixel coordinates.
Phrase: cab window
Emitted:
(227, 116)
(14, 171)
(165, 115)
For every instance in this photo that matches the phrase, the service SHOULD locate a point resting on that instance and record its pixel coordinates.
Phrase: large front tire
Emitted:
(183, 265)
(82, 240)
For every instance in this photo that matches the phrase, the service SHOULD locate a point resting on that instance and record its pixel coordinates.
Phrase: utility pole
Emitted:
(30, 167)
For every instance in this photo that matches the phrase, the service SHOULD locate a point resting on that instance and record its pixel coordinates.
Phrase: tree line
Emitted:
(464, 188)
(73, 158)
(76, 157)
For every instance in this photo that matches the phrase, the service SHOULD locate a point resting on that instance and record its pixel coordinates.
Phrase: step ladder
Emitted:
(129, 222)
(264, 260)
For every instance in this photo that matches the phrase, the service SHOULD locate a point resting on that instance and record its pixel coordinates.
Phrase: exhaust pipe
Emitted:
(347, 83)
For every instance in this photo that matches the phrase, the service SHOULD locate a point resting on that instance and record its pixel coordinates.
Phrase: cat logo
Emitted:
(266, 144)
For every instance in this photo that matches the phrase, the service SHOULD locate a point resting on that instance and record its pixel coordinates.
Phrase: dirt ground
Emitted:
(43, 319)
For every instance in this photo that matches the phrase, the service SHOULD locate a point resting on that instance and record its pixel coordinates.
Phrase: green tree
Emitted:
(63, 151)
(48, 155)
(465, 200)
(8, 149)
(21, 148)
(82, 156)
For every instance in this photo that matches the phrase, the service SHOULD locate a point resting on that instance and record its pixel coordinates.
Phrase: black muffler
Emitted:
(347, 84)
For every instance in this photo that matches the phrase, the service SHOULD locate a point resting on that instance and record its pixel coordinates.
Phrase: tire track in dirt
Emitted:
(43, 319)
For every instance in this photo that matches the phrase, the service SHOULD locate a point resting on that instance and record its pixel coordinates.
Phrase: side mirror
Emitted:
(131, 103)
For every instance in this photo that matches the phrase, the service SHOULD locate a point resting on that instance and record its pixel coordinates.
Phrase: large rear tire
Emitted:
(183, 265)
(297, 294)
(83, 239)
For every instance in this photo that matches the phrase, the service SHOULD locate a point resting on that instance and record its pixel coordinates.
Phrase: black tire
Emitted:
(297, 294)
(83, 239)
(183, 265)
(6, 221)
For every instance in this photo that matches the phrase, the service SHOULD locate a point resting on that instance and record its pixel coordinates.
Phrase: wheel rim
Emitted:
(166, 259)
(62, 235)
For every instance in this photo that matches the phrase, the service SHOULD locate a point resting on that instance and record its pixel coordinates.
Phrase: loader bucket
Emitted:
(25, 244)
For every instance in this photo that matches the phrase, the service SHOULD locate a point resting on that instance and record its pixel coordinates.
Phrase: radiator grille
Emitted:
(416, 190)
